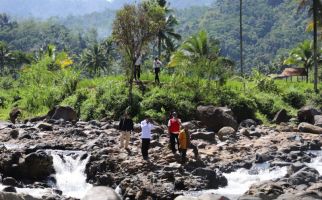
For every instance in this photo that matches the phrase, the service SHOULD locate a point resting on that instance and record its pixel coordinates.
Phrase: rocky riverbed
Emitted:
(27, 164)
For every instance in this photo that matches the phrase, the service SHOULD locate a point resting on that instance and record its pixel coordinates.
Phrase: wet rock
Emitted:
(216, 117)
(190, 125)
(44, 126)
(306, 114)
(101, 193)
(247, 123)
(281, 116)
(214, 178)
(14, 196)
(36, 166)
(14, 133)
(208, 136)
(318, 120)
(244, 132)
(226, 132)
(203, 197)
(266, 190)
(309, 128)
(10, 181)
(14, 114)
(66, 113)
(305, 176)
(261, 158)
(9, 189)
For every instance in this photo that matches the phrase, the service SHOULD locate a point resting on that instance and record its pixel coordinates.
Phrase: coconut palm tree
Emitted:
(167, 34)
(303, 55)
(94, 60)
(315, 9)
(200, 55)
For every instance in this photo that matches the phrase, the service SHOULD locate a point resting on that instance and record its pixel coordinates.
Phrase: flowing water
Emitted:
(70, 172)
(70, 175)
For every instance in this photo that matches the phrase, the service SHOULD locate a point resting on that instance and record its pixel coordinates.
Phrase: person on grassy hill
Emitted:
(146, 126)
(174, 128)
(137, 67)
(185, 143)
(126, 127)
(157, 64)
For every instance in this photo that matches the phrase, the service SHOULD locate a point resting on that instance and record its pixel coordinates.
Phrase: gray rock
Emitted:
(306, 114)
(203, 197)
(14, 133)
(14, 196)
(248, 123)
(61, 112)
(9, 189)
(216, 117)
(281, 116)
(226, 132)
(9, 181)
(101, 193)
(305, 176)
(309, 128)
(44, 126)
(208, 136)
(318, 120)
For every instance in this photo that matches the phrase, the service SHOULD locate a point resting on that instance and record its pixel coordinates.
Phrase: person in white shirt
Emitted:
(137, 67)
(146, 126)
(157, 64)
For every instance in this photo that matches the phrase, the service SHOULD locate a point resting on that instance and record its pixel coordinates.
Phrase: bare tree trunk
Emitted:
(315, 5)
(159, 47)
(131, 82)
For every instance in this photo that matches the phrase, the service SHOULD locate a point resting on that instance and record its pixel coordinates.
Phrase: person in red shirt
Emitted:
(174, 126)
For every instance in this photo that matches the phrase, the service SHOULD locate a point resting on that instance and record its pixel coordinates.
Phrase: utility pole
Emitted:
(241, 36)
(315, 9)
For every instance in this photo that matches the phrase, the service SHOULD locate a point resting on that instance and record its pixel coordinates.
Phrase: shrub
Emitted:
(243, 108)
(295, 99)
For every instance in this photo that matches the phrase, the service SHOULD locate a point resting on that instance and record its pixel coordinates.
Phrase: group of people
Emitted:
(179, 137)
(157, 64)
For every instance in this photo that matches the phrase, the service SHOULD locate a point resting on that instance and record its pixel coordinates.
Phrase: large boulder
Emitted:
(101, 193)
(63, 112)
(318, 120)
(203, 197)
(44, 126)
(281, 116)
(14, 114)
(226, 132)
(214, 178)
(306, 114)
(14, 196)
(305, 176)
(36, 166)
(216, 117)
(208, 136)
(309, 128)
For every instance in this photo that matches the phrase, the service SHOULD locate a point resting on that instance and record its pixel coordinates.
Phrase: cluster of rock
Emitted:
(224, 146)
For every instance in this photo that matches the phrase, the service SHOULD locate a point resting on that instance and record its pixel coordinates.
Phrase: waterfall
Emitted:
(70, 172)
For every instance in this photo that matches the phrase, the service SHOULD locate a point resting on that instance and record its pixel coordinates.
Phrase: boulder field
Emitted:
(222, 149)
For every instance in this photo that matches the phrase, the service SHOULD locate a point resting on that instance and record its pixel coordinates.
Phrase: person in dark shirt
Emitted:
(125, 126)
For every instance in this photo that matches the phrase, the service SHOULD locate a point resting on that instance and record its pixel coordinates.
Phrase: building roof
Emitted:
(288, 72)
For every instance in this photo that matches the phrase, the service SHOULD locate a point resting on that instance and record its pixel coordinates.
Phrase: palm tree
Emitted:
(201, 55)
(303, 54)
(94, 60)
(167, 34)
(316, 10)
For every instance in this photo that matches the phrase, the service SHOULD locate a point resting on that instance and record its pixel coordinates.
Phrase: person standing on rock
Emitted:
(157, 66)
(125, 126)
(184, 144)
(174, 129)
(146, 126)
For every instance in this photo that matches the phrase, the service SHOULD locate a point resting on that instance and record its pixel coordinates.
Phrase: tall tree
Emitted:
(5, 55)
(315, 9)
(167, 34)
(134, 27)
(94, 60)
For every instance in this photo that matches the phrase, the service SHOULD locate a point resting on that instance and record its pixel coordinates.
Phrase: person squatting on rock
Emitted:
(125, 126)
(185, 143)
(174, 129)
(156, 66)
(146, 126)
(137, 67)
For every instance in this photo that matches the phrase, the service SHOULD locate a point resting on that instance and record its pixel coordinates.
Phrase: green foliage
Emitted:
(264, 83)
(294, 98)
